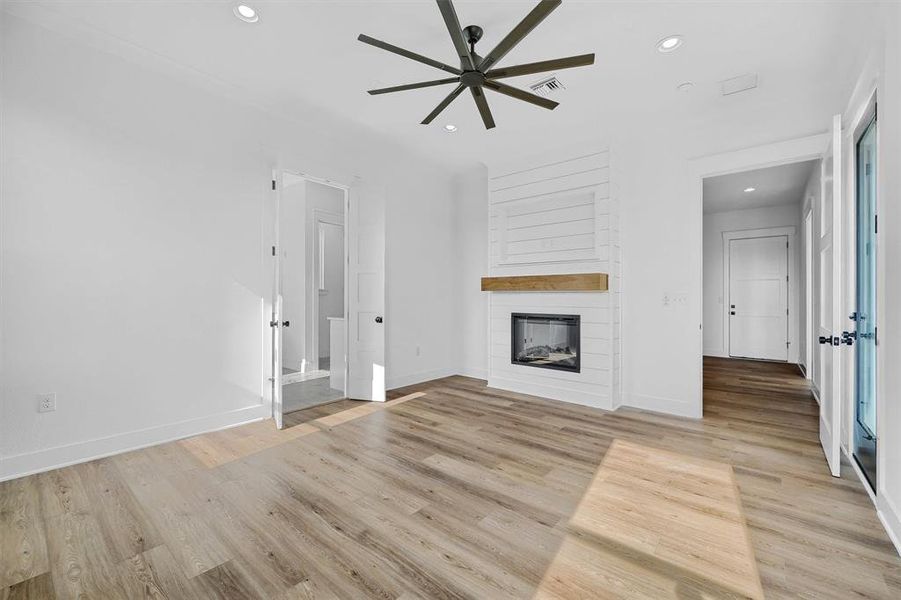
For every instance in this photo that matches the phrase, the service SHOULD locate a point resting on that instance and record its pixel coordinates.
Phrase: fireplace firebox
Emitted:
(545, 341)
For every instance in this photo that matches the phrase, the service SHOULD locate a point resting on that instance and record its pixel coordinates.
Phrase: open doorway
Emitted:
(752, 292)
(312, 275)
(329, 244)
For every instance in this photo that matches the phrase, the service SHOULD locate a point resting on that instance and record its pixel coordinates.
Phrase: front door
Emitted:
(758, 298)
(865, 355)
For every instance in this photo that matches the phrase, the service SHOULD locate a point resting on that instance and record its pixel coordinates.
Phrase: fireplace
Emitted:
(545, 341)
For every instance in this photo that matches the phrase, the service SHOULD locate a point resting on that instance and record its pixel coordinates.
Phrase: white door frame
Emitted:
(807, 261)
(323, 216)
(759, 157)
(276, 342)
(745, 234)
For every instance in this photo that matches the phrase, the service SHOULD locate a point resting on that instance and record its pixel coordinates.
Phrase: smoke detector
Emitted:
(547, 86)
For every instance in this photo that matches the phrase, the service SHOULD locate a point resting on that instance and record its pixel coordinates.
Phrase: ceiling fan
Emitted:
(476, 72)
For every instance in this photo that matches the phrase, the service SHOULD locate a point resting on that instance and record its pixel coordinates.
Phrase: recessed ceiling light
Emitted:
(749, 189)
(685, 86)
(450, 128)
(669, 43)
(246, 14)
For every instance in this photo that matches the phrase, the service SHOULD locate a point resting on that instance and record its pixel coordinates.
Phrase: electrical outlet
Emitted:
(47, 402)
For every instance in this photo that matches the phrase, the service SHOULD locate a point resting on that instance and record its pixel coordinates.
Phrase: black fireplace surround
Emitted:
(545, 341)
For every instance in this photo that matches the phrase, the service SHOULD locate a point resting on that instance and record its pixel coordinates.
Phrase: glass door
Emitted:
(865, 355)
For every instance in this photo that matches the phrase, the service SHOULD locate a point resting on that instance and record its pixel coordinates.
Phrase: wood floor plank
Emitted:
(22, 542)
(39, 587)
(451, 489)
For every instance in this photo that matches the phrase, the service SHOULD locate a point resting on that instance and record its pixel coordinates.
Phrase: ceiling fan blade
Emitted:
(513, 92)
(406, 53)
(531, 20)
(414, 86)
(453, 27)
(444, 104)
(555, 64)
(478, 94)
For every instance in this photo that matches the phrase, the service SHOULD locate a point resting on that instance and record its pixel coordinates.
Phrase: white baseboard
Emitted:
(716, 353)
(891, 520)
(669, 406)
(474, 372)
(816, 393)
(19, 465)
(886, 510)
(419, 377)
(553, 392)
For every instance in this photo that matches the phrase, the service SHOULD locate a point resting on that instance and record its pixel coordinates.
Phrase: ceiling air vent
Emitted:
(547, 86)
(742, 83)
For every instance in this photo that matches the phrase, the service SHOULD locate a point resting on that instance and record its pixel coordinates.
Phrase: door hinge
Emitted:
(786, 277)
(273, 251)
(875, 223)
(273, 185)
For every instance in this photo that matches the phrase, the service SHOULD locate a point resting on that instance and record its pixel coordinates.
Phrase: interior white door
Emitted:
(366, 293)
(758, 298)
(830, 307)
(275, 322)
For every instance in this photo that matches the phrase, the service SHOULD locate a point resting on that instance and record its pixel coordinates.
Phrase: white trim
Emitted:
(554, 392)
(20, 465)
(392, 383)
(745, 234)
(668, 406)
(475, 373)
(885, 509)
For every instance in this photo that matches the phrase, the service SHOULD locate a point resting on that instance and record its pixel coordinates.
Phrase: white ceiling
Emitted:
(304, 56)
(773, 186)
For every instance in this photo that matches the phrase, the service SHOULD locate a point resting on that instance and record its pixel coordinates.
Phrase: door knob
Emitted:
(378, 319)
(848, 337)
(286, 323)
(832, 341)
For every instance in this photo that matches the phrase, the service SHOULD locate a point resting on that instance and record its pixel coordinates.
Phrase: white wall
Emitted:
(715, 306)
(136, 269)
(882, 73)
(889, 432)
(471, 238)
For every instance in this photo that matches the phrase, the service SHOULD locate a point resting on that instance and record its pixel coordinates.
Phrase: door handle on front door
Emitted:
(378, 319)
(848, 337)
(832, 341)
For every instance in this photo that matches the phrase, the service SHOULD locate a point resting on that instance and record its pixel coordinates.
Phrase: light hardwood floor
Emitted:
(453, 490)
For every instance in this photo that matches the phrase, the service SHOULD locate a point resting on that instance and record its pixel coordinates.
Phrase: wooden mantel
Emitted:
(571, 282)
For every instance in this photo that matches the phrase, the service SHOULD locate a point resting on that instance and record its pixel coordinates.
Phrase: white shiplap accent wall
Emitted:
(558, 217)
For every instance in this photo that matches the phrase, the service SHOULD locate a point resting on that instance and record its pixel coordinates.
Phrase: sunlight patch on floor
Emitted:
(655, 524)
